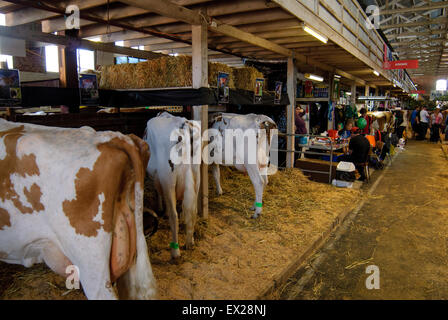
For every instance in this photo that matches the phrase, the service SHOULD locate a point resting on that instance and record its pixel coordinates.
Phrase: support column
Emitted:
(200, 113)
(68, 68)
(353, 96)
(377, 91)
(290, 110)
(367, 91)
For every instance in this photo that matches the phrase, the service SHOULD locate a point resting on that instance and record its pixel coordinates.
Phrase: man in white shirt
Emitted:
(424, 123)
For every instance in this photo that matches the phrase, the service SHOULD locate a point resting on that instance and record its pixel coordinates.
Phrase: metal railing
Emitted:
(332, 146)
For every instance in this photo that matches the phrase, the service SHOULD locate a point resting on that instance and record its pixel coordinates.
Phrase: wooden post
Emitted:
(367, 91)
(200, 113)
(353, 96)
(290, 110)
(68, 69)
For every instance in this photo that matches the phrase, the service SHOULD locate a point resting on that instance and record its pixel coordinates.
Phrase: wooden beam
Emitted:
(200, 113)
(30, 35)
(28, 15)
(68, 68)
(303, 13)
(441, 20)
(291, 83)
(416, 34)
(433, 6)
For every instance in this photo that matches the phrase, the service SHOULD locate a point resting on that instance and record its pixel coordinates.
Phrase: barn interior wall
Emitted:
(33, 62)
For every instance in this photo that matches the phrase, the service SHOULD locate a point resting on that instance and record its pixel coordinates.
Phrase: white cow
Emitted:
(257, 170)
(74, 197)
(175, 181)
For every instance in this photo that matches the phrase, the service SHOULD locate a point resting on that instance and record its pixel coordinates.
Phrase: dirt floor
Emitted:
(402, 229)
(235, 257)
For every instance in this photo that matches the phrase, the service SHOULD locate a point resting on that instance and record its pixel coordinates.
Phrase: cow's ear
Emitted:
(143, 149)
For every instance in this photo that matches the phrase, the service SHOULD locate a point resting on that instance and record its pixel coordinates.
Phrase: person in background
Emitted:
(436, 124)
(368, 118)
(415, 122)
(300, 129)
(358, 152)
(346, 132)
(424, 124)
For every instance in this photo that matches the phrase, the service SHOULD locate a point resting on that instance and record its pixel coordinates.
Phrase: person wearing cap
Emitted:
(358, 152)
(436, 124)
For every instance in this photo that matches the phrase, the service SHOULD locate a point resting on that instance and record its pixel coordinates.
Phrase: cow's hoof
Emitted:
(189, 246)
(176, 260)
(252, 208)
(255, 215)
(219, 193)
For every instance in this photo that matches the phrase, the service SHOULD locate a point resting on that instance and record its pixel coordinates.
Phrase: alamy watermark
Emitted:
(373, 280)
(373, 17)
(72, 20)
(228, 147)
(72, 280)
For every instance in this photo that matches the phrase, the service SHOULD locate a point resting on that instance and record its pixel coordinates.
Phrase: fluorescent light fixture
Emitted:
(315, 34)
(376, 73)
(348, 93)
(395, 85)
(313, 77)
(337, 76)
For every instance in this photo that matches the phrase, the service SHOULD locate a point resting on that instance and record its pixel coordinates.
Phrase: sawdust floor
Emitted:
(402, 229)
(235, 257)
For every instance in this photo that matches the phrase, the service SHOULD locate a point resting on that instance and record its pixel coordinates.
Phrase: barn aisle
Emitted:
(402, 229)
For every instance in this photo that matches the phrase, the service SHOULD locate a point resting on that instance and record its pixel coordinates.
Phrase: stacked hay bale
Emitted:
(168, 72)
(245, 77)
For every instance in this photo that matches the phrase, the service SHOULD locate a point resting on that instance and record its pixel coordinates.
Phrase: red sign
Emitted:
(418, 91)
(401, 64)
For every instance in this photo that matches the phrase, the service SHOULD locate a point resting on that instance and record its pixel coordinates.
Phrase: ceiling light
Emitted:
(313, 77)
(376, 73)
(315, 34)
(337, 76)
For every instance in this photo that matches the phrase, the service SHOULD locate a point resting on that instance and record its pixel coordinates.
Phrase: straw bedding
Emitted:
(169, 71)
(235, 257)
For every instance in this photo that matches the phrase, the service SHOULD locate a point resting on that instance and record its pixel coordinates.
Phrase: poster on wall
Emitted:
(308, 89)
(278, 92)
(258, 93)
(88, 90)
(336, 90)
(10, 92)
(223, 87)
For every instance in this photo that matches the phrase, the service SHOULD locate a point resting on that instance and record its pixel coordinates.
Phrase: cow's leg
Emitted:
(159, 195)
(258, 183)
(55, 259)
(170, 204)
(217, 176)
(189, 206)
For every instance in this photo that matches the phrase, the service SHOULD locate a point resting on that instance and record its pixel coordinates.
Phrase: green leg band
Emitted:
(174, 245)
(258, 204)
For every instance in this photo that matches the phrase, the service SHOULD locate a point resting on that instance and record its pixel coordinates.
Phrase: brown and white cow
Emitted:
(175, 180)
(75, 197)
(382, 120)
(226, 123)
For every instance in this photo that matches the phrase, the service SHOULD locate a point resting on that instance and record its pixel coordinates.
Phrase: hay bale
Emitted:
(120, 76)
(169, 71)
(213, 70)
(245, 77)
(164, 72)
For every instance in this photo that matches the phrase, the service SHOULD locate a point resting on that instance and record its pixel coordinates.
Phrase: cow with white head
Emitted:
(251, 156)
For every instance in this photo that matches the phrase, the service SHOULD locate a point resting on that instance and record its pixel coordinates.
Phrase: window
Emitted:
(441, 85)
(119, 43)
(86, 60)
(4, 57)
(51, 59)
(125, 59)
(138, 47)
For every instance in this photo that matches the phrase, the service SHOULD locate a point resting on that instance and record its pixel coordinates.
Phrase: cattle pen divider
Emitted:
(332, 146)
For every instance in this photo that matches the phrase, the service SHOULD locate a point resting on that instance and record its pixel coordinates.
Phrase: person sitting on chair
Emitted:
(358, 152)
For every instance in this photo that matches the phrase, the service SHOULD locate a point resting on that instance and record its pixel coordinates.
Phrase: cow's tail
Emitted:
(138, 282)
(192, 183)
